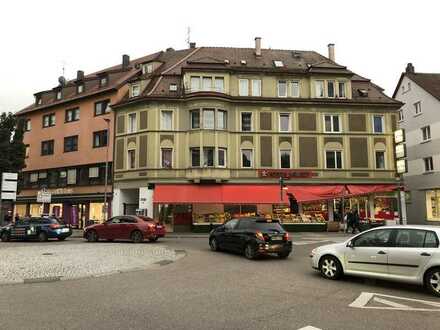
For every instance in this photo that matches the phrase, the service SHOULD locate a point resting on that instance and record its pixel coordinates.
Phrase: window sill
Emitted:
(418, 114)
(425, 141)
(326, 132)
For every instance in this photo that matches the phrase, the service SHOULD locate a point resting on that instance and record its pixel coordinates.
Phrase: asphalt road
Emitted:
(208, 290)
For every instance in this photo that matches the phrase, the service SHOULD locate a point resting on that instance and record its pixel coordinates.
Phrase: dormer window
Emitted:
(38, 100)
(80, 88)
(103, 81)
(147, 68)
(59, 95)
(135, 90)
(173, 87)
(278, 64)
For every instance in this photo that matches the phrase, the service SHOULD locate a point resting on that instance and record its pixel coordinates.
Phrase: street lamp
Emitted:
(106, 170)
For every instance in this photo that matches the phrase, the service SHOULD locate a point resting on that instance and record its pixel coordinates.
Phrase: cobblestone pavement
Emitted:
(49, 262)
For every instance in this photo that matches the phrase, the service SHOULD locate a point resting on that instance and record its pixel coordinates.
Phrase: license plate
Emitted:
(277, 238)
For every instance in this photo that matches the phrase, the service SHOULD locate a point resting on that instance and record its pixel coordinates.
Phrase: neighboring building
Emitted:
(420, 118)
(68, 144)
(206, 134)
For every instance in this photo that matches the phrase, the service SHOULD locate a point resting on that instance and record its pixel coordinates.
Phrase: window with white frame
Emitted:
(319, 88)
(71, 176)
(333, 159)
(294, 88)
(219, 84)
(221, 159)
(135, 90)
(207, 84)
(341, 89)
(131, 158)
(332, 123)
(195, 157)
(282, 88)
(59, 95)
(426, 133)
(33, 177)
(380, 159)
(147, 68)
(167, 158)
(378, 124)
(208, 156)
(285, 122)
(330, 88)
(93, 172)
(166, 120)
(222, 119)
(417, 108)
(208, 118)
(246, 158)
(285, 158)
(429, 164)
(195, 118)
(401, 116)
(256, 87)
(243, 87)
(195, 84)
(132, 123)
(246, 121)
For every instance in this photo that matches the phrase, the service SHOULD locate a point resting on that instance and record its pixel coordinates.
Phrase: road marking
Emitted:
(309, 327)
(366, 297)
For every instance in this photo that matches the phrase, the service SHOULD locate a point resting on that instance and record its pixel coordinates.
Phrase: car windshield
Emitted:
(267, 226)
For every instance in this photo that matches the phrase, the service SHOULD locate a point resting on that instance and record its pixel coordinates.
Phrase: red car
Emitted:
(126, 227)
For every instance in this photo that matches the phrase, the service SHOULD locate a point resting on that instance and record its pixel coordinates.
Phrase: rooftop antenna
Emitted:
(188, 35)
(63, 67)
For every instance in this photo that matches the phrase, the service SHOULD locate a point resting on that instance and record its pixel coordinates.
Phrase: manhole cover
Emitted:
(47, 254)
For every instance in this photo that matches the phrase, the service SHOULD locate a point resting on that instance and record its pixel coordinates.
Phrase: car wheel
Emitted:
(42, 236)
(5, 237)
(137, 236)
(432, 281)
(330, 267)
(92, 236)
(283, 255)
(249, 252)
(61, 238)
(213, 244)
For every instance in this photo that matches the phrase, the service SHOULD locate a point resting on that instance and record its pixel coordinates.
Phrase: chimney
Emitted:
(125, 61)
(192, 45)
(257, 46)
(62, 81)
(409, 68)
(331, 52)
(79, 75)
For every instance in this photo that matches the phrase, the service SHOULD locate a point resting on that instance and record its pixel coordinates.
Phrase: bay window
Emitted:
(195, 157)
(246, 121)
(208, 118)
(166, 158)
(222, 119)
(208, 156)
(195, 119)
(166, 122)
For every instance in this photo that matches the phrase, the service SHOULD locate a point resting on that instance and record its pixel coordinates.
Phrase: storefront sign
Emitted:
(44, 196)
(9, 186)
(401, 166)
(399, 136)
(400, 151)
(287, 174)
(61, 191)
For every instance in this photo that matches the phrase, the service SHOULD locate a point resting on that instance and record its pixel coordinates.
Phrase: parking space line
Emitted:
(365, 297)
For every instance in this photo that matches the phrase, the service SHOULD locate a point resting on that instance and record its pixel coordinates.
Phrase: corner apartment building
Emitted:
(206, 134)
(420, 118)
(69, 135)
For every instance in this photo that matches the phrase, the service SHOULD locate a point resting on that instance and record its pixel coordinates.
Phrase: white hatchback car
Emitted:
(398, 253)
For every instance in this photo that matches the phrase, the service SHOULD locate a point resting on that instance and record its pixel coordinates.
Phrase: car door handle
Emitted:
(381, 252)
(425, 254)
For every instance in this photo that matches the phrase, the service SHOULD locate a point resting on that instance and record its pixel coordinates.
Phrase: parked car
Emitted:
(39, 228)
(252, 236)
(127, 227)
(399, 253)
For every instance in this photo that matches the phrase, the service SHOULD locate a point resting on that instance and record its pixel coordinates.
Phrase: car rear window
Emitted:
(267, 226)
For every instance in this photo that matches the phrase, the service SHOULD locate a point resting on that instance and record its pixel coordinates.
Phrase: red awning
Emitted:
(365, 189)
(309, 193)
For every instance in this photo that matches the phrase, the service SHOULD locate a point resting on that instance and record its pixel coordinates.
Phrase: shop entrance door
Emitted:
(78, 215)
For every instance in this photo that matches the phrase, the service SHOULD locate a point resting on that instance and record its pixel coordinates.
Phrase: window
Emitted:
(380, 160)
(166, 122)
(256, 87)
(222, 157)
(417, 108)
(102, 107)
(410, 238)
(294, 88)
(62, 174)
(147, 68)
(38, 100)
(246, 121)
(433, 205)
(208, 118)
(401, 117)
(132, 123)
(426, 133)
(429, 164)
(333, 159)
(282, 88)
(195, 119)
(375, 238)
(27, 151)
(173, 87)
(243, 87)
(431, 240)
(167, 157)
(330, 88)
(319, 88)
(285, 122)
(231, 224)
(278, 64)
(332, 124)
(285, 159)
(27, 125)
(100, 139)
(246, 158)
(131, 158)
(195, 84)
(195, 157)
(71, 143)
(222, 119)
(33, 177)
(207, 83)
(378, 124)
(341, 89)
(59, 95)
(219, 84)
(49, 120)
(93, 172)
(72, 115)
(135, 90)
(103, 81)
(80, 88)
(71, 176)
(42, 175)
(47, 147)
(208, 156)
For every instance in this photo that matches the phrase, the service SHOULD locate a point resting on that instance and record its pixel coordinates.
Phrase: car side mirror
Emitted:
(350, 244)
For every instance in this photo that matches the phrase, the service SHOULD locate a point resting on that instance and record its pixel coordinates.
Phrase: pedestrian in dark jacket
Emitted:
(355, 221)
(349, 219)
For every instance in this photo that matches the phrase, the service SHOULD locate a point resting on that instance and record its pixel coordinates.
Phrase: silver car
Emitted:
(398, 253)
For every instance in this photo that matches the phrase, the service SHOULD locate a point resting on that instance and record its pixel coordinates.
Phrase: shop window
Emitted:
(426, 133)
(333, 159)
(285, 122)
(195, 119)
(294, 88)
(47, 147)
(246, 121)
(237, 210)
(433, 205)
(131, 158)
(132, 123)
(380, 160)
(71, 176)
(285, 159)
(222, 157)
(71, 143)
(319, 88)
(102, 107)
(208, 118)
(378, 124)
(100, 139)
(256, 87)
(96, 212)
(208, 156)
(219, 84)
(166, 120)
(330, 88)
(243, 87)
(332, 123)
(222, 119)
(167, 158)
(246, 158)
(72, 115)
(282, 88)
(195, 157)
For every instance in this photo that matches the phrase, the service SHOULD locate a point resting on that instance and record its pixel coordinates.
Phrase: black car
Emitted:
(39, 228)
(253, 237)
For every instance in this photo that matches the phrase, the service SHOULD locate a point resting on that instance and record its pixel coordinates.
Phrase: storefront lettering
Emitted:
(60, 191)
(287, 174)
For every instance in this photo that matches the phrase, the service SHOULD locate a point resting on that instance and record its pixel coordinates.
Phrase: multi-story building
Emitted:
(205, 135)
(69, 135)
(420, 119)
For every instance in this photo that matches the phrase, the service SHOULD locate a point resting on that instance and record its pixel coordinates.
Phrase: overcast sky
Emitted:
(373, 38)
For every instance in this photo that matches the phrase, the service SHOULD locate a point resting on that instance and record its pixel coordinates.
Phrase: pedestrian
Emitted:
(348, 219)
(17, 218)
(355, 221)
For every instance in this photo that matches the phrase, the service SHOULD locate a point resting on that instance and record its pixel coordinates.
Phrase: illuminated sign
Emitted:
(399, 136)
(401, 166)
(400, 151)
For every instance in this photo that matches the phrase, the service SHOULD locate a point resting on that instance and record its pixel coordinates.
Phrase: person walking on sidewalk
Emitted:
(348, 219)
(355, 221)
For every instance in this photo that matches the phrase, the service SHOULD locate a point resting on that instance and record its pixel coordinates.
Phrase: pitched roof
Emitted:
(430, 82)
